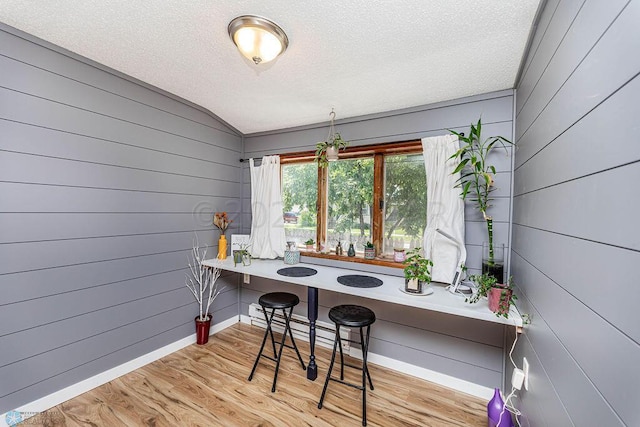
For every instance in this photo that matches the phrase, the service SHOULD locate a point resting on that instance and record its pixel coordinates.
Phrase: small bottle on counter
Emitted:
(351, 251)
(339, 249)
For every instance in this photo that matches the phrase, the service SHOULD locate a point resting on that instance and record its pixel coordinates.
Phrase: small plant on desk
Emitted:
(417, 272)
(500, 295)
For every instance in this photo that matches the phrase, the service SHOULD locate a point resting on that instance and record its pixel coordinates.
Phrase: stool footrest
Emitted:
(359, 387)
(353, 366)
(269, 357)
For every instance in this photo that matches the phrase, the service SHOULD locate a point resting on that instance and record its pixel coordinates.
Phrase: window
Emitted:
(405, 201)
(350, 202)
(372, 194)
(299, 198)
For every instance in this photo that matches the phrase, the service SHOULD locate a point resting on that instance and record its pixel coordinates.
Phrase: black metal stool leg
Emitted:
(269, 329)
(333, 358)
(264, 340)
(293, 342)
(341, 354)
(364, 378)
(278, 357)
(365, 353)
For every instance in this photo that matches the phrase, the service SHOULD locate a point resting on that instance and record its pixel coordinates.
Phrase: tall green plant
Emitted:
(476, 175)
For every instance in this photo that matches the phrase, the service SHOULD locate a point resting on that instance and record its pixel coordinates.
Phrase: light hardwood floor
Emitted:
(207, 386)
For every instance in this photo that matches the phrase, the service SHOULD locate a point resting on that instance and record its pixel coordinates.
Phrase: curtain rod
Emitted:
(311, 154)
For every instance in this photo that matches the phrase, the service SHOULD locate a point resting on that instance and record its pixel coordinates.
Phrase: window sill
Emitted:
(354, 259)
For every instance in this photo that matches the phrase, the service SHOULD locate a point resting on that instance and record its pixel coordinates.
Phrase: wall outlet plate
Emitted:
(525, 369)
(246, 278)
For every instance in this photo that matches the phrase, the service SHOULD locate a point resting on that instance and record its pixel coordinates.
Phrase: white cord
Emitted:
(507, 401)
(508, 406)
(512, 348)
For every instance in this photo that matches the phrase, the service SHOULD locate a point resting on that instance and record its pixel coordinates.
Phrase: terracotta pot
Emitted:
(494, 300)
(202, 329)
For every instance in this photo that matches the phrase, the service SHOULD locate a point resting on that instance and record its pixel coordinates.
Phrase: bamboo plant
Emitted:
(476, 175)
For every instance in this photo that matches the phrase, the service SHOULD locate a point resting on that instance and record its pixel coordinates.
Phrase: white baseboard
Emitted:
(416, 371)
(427, 374)
(60, 396)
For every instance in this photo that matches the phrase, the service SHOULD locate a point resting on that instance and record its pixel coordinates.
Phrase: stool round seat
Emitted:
(278, 300)
(354, 316)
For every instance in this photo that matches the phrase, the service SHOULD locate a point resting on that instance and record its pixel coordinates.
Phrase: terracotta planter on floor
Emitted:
(202, 330)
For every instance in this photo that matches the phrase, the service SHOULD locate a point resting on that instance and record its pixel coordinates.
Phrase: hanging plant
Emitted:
(328, 150)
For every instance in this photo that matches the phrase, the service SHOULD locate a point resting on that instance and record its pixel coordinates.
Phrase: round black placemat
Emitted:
(297, 271)
(359, 281)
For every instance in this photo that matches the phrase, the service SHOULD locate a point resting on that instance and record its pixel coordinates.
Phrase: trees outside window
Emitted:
(372, 193)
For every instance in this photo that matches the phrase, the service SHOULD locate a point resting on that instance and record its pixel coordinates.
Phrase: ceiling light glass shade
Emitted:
(258, 39)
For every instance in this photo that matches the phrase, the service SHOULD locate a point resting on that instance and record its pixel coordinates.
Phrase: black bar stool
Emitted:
(277, 301)
(353, 316)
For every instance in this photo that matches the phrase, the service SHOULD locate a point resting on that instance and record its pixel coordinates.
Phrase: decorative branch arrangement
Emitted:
(222, 221)
(202, 280)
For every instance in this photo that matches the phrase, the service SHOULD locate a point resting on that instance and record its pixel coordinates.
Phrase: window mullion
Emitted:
(321, 206)
(378, 201)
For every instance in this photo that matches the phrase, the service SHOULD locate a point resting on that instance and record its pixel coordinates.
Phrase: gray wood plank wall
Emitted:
(462, 348)
(575, 245)
(103, 183)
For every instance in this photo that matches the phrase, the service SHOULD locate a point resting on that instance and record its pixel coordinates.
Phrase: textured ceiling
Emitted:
(359, 57)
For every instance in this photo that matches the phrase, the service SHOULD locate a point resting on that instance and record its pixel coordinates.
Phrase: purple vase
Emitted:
(494, 408)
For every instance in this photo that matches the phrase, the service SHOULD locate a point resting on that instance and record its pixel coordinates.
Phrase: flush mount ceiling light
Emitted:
(257, 38)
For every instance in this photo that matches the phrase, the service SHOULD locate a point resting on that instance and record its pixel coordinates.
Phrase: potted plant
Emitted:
(202, 282)
(310, 243)
(416, 271)
(369, 251)
(477, 182)
(242, 254)
(328, 150)
(500, 295)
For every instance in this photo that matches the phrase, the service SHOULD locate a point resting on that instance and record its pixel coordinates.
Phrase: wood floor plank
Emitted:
(207, 386)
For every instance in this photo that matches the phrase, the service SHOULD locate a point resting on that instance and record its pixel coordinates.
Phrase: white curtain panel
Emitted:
(445, 209)
(267, 224)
